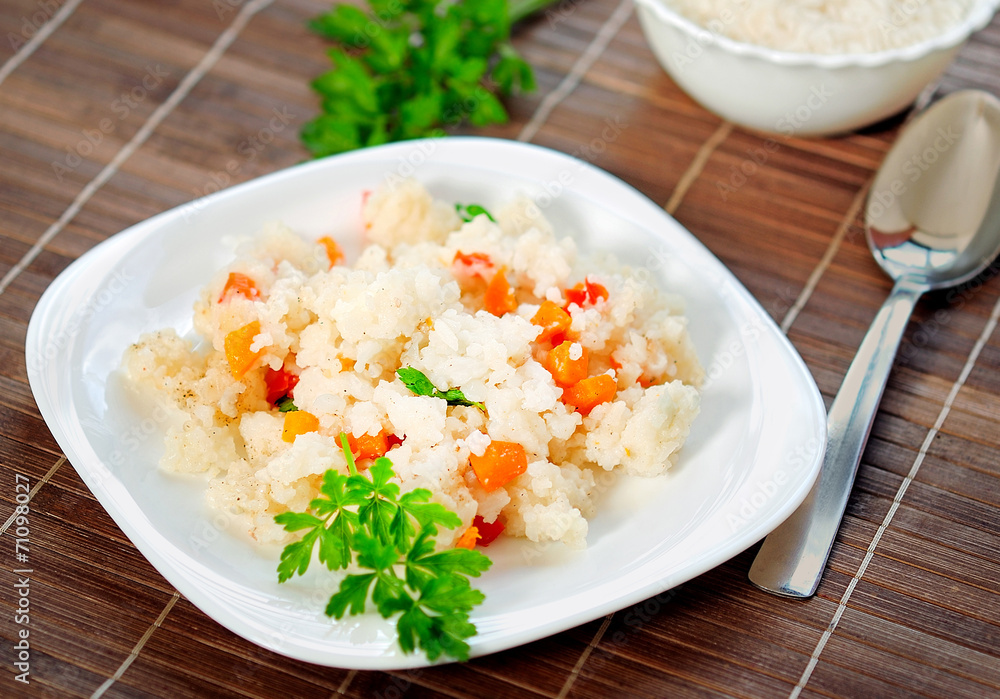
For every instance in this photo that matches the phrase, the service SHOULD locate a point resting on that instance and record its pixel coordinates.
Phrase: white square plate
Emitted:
(753, 453)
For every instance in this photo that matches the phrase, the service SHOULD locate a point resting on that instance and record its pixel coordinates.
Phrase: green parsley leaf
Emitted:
(449, 562)
(424, 563)
(416, 381)
(416, 503)
(285, 405)
(344, 23)
(328, 134)
(449, 594)
(335, 544)
(415, 508)
(375, 552)
(352, 594)
(420, 385)
(294, 521)
(295, 557)
(436, 635)
(467, 212)
(380, 556)
(512, 73)
(380, 505)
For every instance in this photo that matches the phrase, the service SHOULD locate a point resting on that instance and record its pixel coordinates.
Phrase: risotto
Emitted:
(554, 366)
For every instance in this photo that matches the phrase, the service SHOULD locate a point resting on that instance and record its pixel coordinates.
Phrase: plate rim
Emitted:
(98, 481)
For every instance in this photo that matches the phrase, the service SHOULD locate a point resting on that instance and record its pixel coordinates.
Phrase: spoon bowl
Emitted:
(933, 214)
(932, 221)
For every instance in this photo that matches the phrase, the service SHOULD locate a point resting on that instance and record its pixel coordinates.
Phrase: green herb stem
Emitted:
(348, 454)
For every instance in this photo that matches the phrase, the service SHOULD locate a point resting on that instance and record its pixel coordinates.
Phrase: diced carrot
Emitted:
(473, 264)
(586, 292)
(553, 320)
(499, 296)
(588, 393)
(237, 345)
(488, 531)
(333, 251)
(564, 368)
(239, 285)
(279, 383)
(369, 446)
(468, 538)
(298, 422)
(501, 463)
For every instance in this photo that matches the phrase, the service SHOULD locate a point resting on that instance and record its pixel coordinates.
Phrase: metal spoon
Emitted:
(932, 221)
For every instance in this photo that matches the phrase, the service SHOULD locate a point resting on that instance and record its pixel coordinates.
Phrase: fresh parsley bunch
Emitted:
(363, 519)
(408, 68)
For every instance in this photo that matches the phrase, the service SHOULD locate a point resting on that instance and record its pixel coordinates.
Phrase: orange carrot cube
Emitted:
(553, 320)
(588, 393)
(298, 422)
(369, 446)
(237, 345)
(499, 296)
(568, 363)
(501, 463)
(239, 285)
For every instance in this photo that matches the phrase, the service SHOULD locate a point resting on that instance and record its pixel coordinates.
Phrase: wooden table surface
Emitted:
(112, 111)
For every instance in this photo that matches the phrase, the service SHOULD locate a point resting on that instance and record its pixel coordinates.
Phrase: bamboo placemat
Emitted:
(111, 112)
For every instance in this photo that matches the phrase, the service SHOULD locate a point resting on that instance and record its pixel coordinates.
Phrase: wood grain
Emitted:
(910, 605)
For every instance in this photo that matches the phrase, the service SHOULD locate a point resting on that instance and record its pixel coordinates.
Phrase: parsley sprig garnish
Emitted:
(364, 520)
(410, 68)
(420, 385)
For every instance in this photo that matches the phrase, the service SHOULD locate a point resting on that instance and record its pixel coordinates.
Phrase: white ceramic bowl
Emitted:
(798, 94)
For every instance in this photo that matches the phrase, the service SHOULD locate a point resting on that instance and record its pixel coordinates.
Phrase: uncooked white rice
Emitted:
(826, 26)
(345, 330)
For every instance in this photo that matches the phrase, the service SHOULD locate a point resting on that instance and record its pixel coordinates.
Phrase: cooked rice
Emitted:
(826, 26)
(346, 329)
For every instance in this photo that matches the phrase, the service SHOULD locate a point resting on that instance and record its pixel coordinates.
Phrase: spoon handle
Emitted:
(792, 558)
